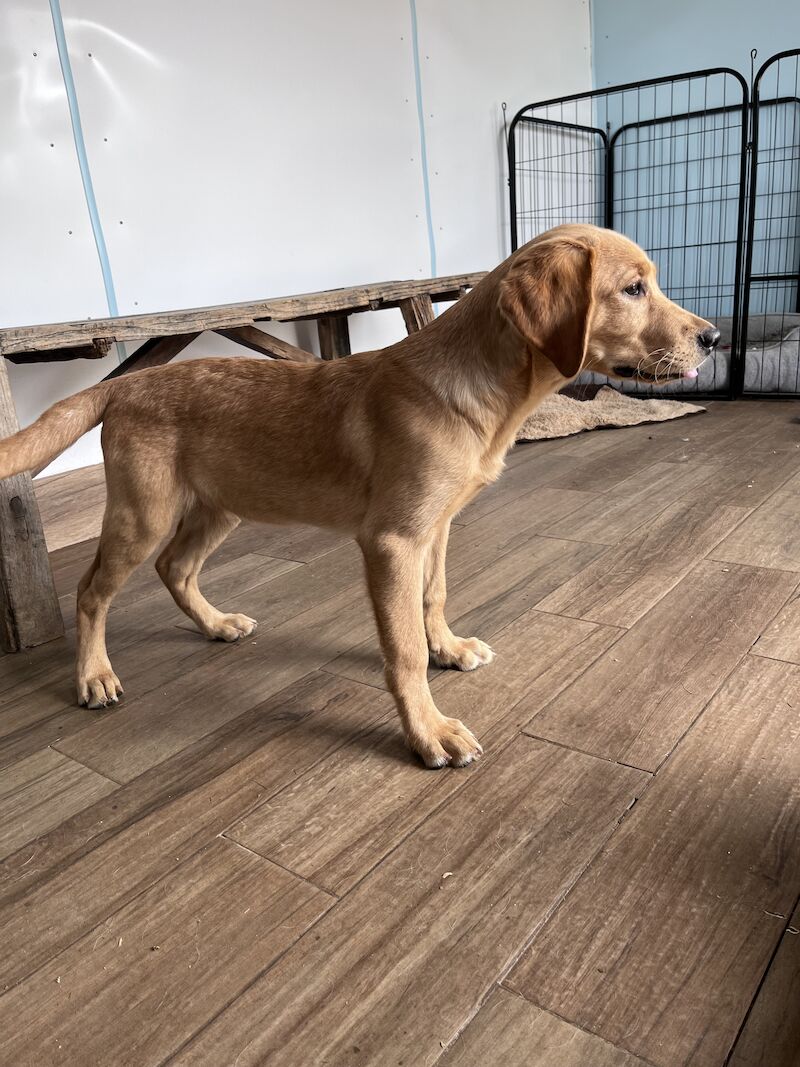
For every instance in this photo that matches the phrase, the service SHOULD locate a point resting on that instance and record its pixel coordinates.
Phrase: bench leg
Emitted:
(29, 610)
(417, 312)
(334, 336)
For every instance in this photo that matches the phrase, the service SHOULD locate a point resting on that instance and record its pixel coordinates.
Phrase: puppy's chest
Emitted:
(474, 480)
(490, 468)
(484, 473)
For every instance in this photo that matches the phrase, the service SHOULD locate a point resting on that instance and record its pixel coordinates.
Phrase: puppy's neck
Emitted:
(485, 374)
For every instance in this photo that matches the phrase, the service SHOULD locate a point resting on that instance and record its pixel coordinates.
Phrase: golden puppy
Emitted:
(386, 445)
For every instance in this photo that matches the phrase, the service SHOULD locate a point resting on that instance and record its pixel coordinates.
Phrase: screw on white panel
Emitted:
(35, 54)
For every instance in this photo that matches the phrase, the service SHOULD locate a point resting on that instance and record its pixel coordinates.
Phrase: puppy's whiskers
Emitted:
(641, 372)
(668, 360)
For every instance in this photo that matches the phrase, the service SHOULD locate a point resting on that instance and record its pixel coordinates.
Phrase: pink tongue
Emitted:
(690, 373)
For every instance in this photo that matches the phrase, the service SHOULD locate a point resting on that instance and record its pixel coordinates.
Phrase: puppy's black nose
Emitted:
(709, 338)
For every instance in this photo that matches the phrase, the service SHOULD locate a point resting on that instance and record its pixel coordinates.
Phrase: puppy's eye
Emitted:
(636, 289)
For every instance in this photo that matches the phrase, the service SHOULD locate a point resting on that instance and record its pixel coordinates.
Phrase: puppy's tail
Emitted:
(59, 427)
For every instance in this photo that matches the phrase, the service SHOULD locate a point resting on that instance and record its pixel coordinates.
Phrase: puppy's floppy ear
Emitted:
(547, 298)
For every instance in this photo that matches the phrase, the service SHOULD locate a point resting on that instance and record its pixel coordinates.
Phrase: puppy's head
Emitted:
(588, 299)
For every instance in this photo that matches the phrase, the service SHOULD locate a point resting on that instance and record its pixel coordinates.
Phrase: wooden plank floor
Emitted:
(241, 864)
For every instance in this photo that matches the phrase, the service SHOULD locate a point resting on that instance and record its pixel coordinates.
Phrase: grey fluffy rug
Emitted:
(562, 416)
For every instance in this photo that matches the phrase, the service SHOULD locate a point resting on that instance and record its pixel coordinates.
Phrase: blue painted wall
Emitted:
(635, 39)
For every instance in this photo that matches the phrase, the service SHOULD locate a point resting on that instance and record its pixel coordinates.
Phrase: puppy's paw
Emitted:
(232, 627)
(99, 688)
(448, 743)
(464, 654)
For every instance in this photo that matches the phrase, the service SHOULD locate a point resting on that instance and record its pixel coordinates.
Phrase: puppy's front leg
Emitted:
(395, 570)
(447, 650)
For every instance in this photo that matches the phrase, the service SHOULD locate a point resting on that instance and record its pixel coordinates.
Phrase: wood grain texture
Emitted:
(149, 651)
(515, 582)
(303, 544)
(78, 897)
(228, 575)
(608, 517)
(635, 703)
(334, 336)
(735, 773)
(70, 562)
(21, 672)
(417, 312)
(485, 602)
(338, 820)
(96, 349)
(588, 444)
(520, 479)
(134, 988)
(654, 932)
(480, 542)
(48, 712)
(663, 944)
(768, 538)
(487, 590)
(746, 477)
(653, 967)
(283, 309)
(29, 611)
(260, 341)
(39, 792)
(71, 505)
(155, 352)
(141, 732)
(771, 1034)
(228, 578)
(629, 579)
(270, 745)
(398, 967)
(511, 1031)
(731, 431)
(224, 580)
(602, 471)
(781, 639)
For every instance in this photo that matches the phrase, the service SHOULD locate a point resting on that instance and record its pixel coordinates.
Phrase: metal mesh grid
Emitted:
(771, 318)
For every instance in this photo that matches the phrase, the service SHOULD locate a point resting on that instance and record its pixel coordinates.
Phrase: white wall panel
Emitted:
(474, 56)
(252, 148)
(48, 267)
(47, 273)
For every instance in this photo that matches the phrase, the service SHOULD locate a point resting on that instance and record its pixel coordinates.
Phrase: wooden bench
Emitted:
(29, 611)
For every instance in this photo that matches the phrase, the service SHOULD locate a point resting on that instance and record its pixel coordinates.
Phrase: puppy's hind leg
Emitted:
(200, 531)
(133, 525)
